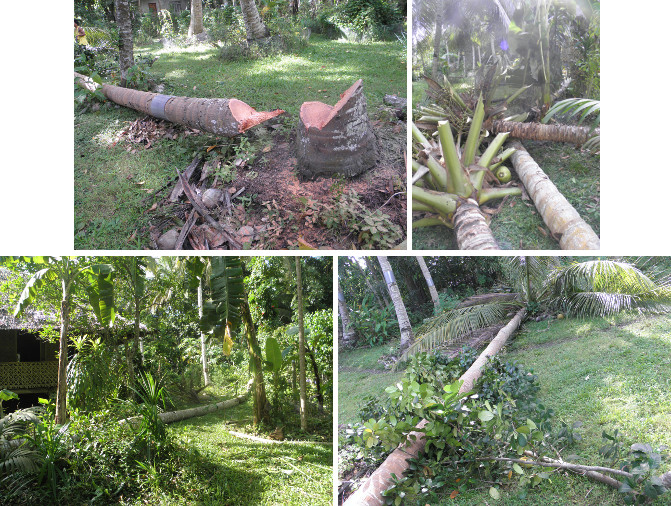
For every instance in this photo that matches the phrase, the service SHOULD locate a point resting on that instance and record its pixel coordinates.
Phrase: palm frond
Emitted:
(603, 287)
(452, 325)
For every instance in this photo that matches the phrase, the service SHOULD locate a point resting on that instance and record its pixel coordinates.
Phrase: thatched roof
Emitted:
(28, 320)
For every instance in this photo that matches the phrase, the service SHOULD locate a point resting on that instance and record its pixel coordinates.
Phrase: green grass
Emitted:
(357, 380)
(225, 469)
(111, 184)
(609, 373)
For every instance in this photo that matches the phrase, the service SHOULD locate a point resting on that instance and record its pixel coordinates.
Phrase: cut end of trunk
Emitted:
(247, 116)
(336, 139)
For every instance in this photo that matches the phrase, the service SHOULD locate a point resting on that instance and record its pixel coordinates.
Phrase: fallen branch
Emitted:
(188, 172)
(186, 229)
(200, 207)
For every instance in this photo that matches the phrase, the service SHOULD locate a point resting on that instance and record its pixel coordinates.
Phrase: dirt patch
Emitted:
(271, 207)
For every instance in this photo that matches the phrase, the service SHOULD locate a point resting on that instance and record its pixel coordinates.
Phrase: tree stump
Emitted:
(336, 139)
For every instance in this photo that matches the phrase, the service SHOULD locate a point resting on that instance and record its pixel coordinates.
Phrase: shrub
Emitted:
(367, 18)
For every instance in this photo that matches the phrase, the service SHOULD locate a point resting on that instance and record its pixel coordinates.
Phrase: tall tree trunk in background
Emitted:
(62, 388)
(318, 380)
(294, 7)
(370, 287)
(399, 306)
(545, 53)
(348, 334)
(122, 14)
(437, 39)
(254, 27)
(196, 24)
(203, 344)
(429, 282)
(301, 347)
(261, 405)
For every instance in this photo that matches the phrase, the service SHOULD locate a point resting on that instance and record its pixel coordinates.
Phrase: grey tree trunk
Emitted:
(348, 335)
(123, 21)
(471, 229)
(399, 306)
(203, 344)
(336, 139)
(437, 39)
(196, 24)
(62, 388)
(301, 347)
(429, 282)
(254, 27)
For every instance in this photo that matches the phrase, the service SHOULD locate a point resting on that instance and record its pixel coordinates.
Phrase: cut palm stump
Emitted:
(336, 139)
(558, 214)
(220, 116)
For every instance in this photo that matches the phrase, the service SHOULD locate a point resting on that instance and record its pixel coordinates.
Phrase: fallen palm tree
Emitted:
(370, 493)
(336, 139)
(558, 214)
(183, 414)
(539, 132)
(220, 116)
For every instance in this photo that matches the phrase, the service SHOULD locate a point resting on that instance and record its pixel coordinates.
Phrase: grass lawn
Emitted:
(518, 225)
(216, 467)
(609, 374)
(118, 183)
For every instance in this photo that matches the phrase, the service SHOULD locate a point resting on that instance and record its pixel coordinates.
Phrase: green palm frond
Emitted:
(603, 287)
(452, 325)
(528, 273)
(15, 454)
(583, 107)
(94, 36)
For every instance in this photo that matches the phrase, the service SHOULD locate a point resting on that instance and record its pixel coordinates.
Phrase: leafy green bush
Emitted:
(367, 18)
(373, 324)
(501, 381)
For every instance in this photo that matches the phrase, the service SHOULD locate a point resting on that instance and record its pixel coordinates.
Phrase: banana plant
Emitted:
(451, 192)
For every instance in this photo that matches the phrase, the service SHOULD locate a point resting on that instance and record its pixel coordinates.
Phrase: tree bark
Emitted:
(429, 282)
(401, 314)
(557, 213)
(220, 116)
(260, 408)
(203, 344)
(437, 39)
(62, 388)
(301, 349)
(541, 132)
(318, 380)
(348, 335)
(370, 493)
(471, 229)
(254, 27)
(336, 139)
(196, 23)
(123, 21)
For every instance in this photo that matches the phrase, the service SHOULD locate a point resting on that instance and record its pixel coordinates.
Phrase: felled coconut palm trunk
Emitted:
(220, 116)
(471, 228)
(558, 214)
(336, 139)
(540, 132)
(370, 492)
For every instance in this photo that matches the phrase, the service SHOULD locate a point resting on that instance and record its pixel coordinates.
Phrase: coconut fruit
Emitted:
(212, 197)
(168, 240)
(503, 174)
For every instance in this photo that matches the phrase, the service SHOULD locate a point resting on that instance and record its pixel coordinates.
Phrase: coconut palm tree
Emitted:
(399, 306)
(196, 23)
(348, 334)
(579, 289)
(123, 21)
(254, 26)
(429, 282)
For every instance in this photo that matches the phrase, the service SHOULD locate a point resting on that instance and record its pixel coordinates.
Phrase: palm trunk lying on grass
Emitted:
(560, 216)
(540, 132)
(471, 228)
(370, 493)
(220, 116)
(183, 414)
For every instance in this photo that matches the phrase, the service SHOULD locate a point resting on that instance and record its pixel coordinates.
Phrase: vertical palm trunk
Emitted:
(260, 406)
(370, 493)
(399, 306)
(437, 39)
(122, 14)
(62, 388)
(203, 344)
(301, 347)
(429, 282)
(253, 25)
(196, 24)
(545, 53)
(318, 379)
(348, 334)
